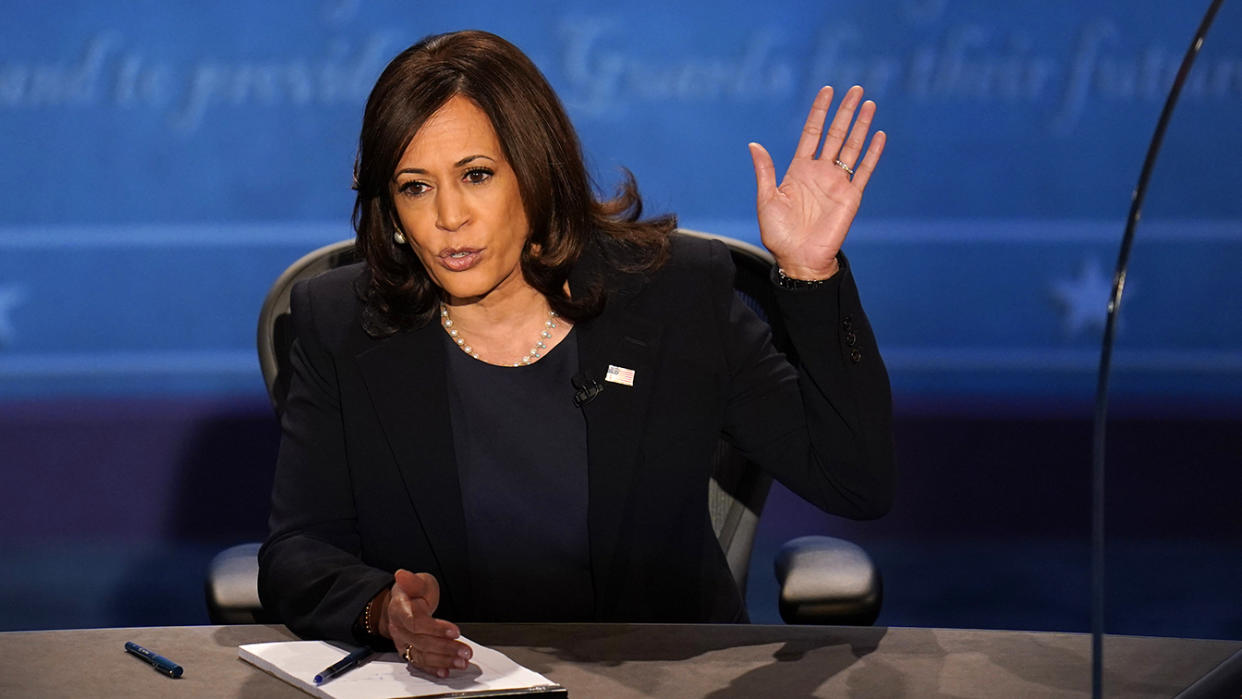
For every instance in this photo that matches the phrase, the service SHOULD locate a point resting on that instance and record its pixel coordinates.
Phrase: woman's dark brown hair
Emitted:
(540, 144)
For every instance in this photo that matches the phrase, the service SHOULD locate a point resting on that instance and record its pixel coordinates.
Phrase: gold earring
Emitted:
(398, 238)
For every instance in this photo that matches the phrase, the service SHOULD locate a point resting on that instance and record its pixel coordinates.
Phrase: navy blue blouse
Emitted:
(521, 448)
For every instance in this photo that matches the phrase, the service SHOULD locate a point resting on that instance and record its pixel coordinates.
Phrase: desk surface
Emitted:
(598, 660)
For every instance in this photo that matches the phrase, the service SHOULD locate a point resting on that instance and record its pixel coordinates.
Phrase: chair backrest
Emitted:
(738, 489)
(275, 335)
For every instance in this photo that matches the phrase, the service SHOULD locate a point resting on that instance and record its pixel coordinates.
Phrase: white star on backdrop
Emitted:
(10, 297)
(1084, 299)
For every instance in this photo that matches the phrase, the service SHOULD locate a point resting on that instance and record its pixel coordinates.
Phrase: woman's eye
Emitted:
(412, 188)
(478, 175)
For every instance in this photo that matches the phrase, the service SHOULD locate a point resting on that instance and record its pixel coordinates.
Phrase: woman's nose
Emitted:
(451, 209)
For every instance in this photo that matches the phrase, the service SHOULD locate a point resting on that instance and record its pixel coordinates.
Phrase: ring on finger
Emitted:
(406, 653)
(848, 170)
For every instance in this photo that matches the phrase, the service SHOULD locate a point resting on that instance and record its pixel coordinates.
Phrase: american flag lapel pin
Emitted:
(621, 375)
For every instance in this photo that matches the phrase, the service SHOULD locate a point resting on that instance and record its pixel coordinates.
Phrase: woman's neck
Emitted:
(503, 330)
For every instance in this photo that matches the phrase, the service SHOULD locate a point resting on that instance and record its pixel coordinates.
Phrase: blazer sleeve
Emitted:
(310, 570)
(819, 420)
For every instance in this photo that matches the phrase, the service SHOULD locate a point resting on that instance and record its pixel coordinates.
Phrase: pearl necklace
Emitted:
(535, 352)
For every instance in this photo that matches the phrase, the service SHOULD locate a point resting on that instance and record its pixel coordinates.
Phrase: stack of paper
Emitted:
(490, 674)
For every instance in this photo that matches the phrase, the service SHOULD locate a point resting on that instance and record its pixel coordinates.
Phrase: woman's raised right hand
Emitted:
(425, 642)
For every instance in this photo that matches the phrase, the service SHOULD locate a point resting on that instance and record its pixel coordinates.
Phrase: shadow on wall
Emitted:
(220, 497)
(217, 498)
(226, 471)
(112, 509)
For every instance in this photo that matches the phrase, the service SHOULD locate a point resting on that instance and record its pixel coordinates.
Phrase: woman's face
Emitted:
(458, 204)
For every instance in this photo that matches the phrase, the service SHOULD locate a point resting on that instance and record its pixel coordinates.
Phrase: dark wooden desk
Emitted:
(618, 661)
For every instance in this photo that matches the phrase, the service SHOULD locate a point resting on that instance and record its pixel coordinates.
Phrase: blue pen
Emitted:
(343, 665)
(162, 665)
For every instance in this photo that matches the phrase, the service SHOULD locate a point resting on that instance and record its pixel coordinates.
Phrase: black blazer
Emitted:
(366, 480)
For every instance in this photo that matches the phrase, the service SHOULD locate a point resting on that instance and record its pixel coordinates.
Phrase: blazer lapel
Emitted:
(405, 377)
(614, 420)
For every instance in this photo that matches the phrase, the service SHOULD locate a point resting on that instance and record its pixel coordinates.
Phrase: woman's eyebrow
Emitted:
(464, 161)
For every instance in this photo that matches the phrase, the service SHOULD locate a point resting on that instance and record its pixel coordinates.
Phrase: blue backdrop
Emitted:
(162, 163)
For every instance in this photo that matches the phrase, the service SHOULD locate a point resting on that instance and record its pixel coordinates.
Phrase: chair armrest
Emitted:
(825, 580)
(232, 586)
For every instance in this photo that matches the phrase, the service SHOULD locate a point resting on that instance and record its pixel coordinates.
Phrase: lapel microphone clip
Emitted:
(586, 388)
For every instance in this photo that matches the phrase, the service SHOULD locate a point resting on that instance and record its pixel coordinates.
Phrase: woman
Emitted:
(508, 412)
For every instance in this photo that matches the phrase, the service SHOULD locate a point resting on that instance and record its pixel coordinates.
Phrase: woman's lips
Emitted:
(460, 259)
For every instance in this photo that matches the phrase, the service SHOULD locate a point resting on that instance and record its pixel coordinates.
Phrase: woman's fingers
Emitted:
(840, 142)
(417, 596)
(419, 585)
(858, 134)
(433, 639)
(765, 171)
(427, 625)
(433, 655)
(813, 129)
(840, 125)
(413, 615)
(424, 641)
(863, 172)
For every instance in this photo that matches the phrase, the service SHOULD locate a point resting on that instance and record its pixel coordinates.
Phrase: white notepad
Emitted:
(387, 675)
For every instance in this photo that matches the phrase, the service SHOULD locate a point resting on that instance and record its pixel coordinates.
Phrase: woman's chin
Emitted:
(458, 294)
(474, 286)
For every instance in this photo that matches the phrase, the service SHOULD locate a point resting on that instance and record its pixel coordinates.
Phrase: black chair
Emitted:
(823, 580)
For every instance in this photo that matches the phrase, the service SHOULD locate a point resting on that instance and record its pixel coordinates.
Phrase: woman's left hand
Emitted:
(803, 222)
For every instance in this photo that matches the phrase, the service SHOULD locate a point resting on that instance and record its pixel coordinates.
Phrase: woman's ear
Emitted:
(535, 248)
